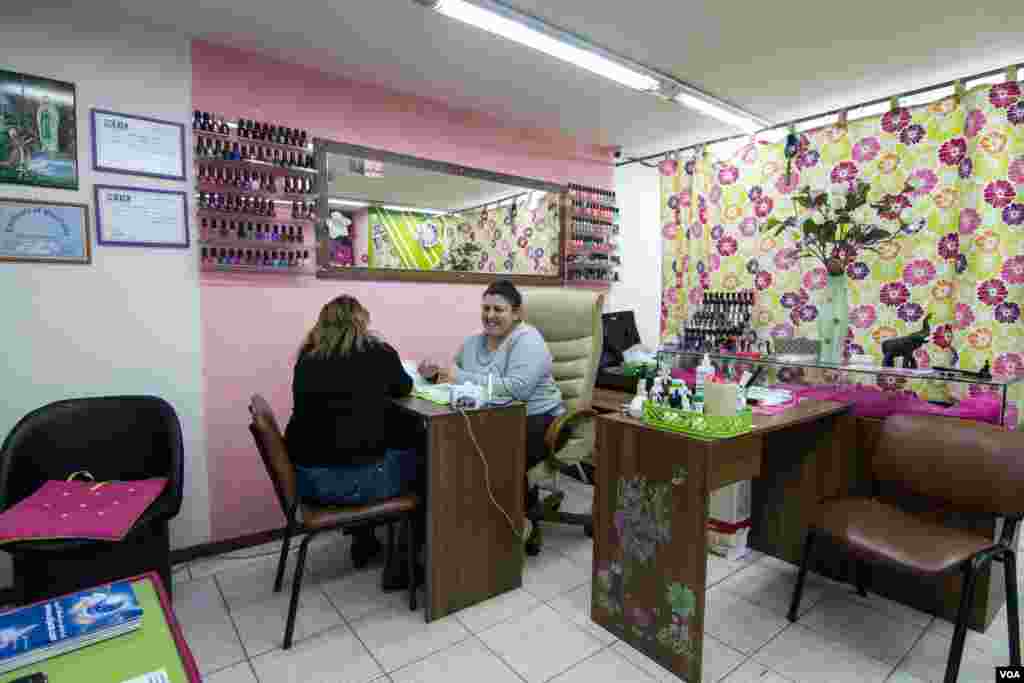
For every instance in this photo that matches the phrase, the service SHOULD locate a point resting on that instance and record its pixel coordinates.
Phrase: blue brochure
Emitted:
(66, 623)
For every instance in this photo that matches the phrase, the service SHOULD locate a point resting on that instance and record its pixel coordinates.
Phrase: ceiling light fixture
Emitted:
(500, 20)
(346, 202)
(526, 30)
(721, 111)
(412, 209)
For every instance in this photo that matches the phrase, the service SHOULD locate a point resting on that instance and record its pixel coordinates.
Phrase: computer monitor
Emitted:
(620, 333)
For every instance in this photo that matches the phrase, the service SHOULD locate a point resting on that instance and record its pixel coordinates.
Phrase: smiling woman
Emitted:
(512, 357)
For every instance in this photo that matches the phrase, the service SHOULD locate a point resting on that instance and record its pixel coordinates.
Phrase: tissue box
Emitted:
(730, 504)
(728, 540)
(729, 520)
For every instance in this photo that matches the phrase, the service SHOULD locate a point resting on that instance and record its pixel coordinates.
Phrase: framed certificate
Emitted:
(45, 232)
(136, 217)
(137, 145)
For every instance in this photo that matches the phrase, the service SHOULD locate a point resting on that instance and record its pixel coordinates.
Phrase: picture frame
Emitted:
(137, 145)
(39, 125)
(44, 232)
(141, 217)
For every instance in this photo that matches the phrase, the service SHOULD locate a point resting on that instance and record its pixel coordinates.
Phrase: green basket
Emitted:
(696, 424)
(636, 369)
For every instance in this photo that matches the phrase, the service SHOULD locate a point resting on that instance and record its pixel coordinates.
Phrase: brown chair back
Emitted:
(972, 465)
(271, 446)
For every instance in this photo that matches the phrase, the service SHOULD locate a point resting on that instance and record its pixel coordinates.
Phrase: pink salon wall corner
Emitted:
(252, 326)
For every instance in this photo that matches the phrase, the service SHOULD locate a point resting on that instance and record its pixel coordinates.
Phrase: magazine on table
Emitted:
(47, 629)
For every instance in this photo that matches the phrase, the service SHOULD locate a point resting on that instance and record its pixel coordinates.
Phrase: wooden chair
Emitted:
(304, 518)
(969, 466)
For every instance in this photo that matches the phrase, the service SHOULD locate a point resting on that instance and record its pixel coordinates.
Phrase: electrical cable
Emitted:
(487, 478)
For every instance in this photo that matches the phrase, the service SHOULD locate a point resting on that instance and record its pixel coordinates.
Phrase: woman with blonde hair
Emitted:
(348, 442)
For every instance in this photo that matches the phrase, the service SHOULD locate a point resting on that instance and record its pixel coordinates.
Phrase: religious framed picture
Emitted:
(38, 132)
(44, 232)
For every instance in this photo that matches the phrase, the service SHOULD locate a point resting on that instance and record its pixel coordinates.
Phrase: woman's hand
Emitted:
(445, 375)
(428, 370)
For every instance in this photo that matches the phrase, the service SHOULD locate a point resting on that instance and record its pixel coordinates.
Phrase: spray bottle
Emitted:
(705, 373)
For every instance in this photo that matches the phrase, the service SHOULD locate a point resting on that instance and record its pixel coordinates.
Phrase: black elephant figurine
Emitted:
(904, 347)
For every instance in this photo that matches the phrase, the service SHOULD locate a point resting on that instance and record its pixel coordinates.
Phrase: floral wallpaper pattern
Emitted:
(521, 240)
(518, 238)
(964, 266)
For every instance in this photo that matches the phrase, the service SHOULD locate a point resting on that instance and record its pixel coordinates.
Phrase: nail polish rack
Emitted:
(720, 323)
(256, 196)
(592, 247)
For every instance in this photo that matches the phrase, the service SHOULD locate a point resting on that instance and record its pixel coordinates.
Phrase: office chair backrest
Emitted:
(570, 322)
(272, 449)
(112, 437)
(972, 465)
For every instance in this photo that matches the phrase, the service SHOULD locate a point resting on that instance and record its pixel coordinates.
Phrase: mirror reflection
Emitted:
(406, 214)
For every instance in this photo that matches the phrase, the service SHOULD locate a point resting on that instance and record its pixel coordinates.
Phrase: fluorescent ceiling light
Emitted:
(411, 209)
(928, 97)
(993, 79)
(346, 202)
(520, 32)
(817, 122)
(718, 111)
(870, 110)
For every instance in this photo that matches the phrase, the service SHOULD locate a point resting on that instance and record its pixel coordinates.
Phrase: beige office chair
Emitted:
(570, 322)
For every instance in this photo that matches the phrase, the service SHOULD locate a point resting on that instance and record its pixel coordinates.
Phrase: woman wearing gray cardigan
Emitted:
(513, 356)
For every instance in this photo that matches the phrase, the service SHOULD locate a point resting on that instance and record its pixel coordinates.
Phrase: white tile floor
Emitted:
(349, 632)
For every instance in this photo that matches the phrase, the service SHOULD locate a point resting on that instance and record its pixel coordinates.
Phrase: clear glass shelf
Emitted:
(785, 361)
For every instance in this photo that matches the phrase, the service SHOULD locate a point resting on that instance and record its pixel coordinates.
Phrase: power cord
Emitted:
(522, 535)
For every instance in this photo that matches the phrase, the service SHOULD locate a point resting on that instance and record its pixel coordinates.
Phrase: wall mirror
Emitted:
(395, 217)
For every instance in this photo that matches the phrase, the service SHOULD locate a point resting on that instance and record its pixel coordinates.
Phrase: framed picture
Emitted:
(39, 143)
(137, 145)
(137, 217)
(45, 232)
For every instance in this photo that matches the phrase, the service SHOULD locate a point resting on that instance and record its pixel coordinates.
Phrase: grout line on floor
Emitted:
(500, 658)
(231, 617)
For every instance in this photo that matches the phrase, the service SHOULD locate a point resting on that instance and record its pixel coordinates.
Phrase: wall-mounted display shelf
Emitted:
(591, 245)
(256, 196)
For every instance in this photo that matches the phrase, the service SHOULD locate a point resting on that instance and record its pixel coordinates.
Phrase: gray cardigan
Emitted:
(521, 368)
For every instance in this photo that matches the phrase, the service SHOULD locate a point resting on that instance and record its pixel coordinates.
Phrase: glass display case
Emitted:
(873, 390)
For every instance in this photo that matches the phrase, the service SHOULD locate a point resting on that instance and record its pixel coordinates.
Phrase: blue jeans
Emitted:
(392, 476)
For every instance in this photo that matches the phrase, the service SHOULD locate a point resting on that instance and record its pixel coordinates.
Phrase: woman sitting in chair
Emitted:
(515, 357)
(349, 444)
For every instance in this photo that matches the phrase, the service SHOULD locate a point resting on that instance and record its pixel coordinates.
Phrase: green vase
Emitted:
(833, 320)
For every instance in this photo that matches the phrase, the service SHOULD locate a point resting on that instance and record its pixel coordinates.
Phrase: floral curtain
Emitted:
(965, 265)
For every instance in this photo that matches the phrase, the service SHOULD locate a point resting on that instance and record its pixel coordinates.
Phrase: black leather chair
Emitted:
(114, 438)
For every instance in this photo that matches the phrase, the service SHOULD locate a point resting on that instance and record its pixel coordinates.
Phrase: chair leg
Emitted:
(411, 555)
(798, 590)
(956, 649)
(293, 608)
(391, 544)
(1012, 606)
(285, 545)
(863, 577)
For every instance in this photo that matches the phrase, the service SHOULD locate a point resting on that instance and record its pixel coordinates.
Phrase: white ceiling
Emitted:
(778, 60)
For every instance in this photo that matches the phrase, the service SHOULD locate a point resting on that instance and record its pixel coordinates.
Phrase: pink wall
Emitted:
(252, 326)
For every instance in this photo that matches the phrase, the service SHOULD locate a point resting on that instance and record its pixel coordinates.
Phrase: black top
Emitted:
(342, 410)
